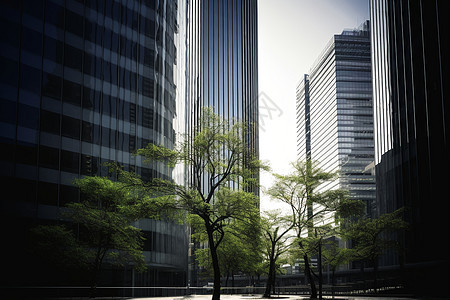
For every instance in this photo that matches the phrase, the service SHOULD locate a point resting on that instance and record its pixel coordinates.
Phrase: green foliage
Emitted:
(275, 229)
(58, 246)
(309, 208)
(105, 215)
(372, 236)
(239, 250)
(104, 220)
(222, 169)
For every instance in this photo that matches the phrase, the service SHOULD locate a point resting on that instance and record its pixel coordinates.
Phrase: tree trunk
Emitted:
(319, 264)
(310, 278)
(362, 275)
(215, 263)
(375, 274)
(95, 273)
(333, 273)
(271, 275)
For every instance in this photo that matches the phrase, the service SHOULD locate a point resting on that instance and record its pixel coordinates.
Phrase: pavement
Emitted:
(281, 297)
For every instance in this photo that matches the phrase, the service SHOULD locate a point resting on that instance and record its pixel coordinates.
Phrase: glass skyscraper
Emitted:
(412, 117)
(222, 62)
(82, 83)
(222, 67)
(335, 117)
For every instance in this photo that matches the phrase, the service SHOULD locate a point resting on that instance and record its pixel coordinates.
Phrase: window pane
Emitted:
(51, 86)
(31, 41)
(73, 57)
(69, 161)
(48, 157)
(72, 92)
(47, 193)
(70, 127)
(30, 79)
(49, 122)
(74, 23)
(53, 49)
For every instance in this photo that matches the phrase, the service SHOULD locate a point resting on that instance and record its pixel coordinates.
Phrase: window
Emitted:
(30, 79)
(86, 132)
(26, 154)
(51, 86)
(8, 111)
(49, 122)
(88, 96)
(107, 39)
(105, 137)
(31, 41)
(72, 92)
(28, 116)
(70, 127)
(68, 194)
(54, 14)
(89, 165)
(106, 105)
(89, 66)
(10, 32)
(47, 193)
(48, 157)
(89, 31)
(53, 49)
(72, 57)
(74, 23)
(147, 117)
(69, 161)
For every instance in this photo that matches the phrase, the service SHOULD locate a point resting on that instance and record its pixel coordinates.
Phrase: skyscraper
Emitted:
(334, 114)
(222, 61)
(222, 66)
(411, 116)
(82, 83)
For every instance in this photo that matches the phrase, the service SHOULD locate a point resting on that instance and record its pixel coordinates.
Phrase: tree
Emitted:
(104, 218)
(239, 250)
(308, 207)
(275, 229)
(222, 168)
(373, 236)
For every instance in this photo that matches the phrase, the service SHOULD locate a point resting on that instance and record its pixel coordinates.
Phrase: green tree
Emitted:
(239, 251)
(222, 168)
(371, 237)
(275, 229)
(104, 217)
(308, 207)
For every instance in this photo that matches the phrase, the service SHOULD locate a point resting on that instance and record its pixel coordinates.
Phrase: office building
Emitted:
(221, 67)
(222, 60)
(334, 114)
(83, 83)
(411, 121)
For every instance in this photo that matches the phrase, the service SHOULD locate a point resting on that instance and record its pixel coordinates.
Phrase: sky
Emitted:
(291, 35)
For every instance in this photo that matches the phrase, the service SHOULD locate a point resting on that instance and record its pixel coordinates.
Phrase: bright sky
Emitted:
(291, 35)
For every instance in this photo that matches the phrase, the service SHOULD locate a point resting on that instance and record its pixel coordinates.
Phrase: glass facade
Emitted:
(83, 83)
(222, 62)
(303, 124)
(411, 109)
(335, 117)
(222, 67)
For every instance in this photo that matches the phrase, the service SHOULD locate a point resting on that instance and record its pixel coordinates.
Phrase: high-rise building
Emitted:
(82, 83)
(412, 130)
(222, 62)
(222, 66)
(335, 117)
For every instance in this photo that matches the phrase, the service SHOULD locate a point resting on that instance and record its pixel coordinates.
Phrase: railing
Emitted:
(120, 292)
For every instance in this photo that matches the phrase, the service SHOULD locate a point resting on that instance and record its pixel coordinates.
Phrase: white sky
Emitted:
(291, 35)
